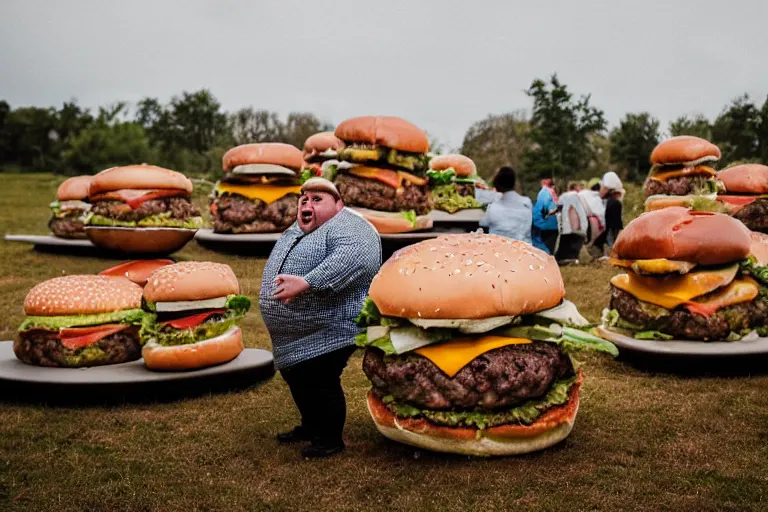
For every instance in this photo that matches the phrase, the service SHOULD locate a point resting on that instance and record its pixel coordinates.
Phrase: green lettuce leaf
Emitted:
(652, 335)
(159, 220)
(370, 315)
(447, 198)
(154, 331)
(570, 339)
(441, 177)
(525, 413)
(126, 316)
(239, 303)
(411, 216)
(750, 266)
(305, 175)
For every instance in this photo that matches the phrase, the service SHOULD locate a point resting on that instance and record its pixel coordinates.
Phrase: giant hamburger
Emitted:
(81, 320)
(452, 182)
(260, 190)
(685, 277)
(70, 210)
(682, 173)
(321, 153)
(195, 309)
(467, 347)
(746, 195)
(386, 182)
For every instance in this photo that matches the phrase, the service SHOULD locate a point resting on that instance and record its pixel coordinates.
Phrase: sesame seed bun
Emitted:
(467, 276)
(275, 153)
(210, 352)
(463, 165)
(677, 233)
(391, 132)
(684, 149)
(191, 280)
(74, 189)
(321, 142)
(138, 177)
(82, 295)
(745, 179)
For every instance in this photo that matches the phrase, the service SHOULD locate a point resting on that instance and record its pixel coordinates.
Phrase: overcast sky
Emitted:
(440, 64)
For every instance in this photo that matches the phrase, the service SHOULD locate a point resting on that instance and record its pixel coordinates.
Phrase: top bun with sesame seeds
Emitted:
(191, 280)
(468, 276)
(82, 295)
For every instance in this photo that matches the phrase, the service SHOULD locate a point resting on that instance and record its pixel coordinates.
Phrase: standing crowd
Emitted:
(584, 215)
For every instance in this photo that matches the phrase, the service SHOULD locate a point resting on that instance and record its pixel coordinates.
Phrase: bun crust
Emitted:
(82, 295)
(275, 153)
(218, 350)
(320, 142)
(677, 233)
(550, 428)
(387, 223)
(467, 276)
(759, 247)
(391, 132)
(139, 177)
(191, 280)
(683, 148)
(746, 178)
(463, 165)
(137, 271)
(74, 189)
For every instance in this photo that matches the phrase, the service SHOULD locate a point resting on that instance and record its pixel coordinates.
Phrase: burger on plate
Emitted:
(746, 195)
(452, 180)
(386, 179)
(687, 277)
(80, 320)
(682, 173)
(467, 344)
(71, 208)
(321, 153)
(260, 190)
(196, 307)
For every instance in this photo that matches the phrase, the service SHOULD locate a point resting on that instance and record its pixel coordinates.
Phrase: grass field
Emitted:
(641, 441)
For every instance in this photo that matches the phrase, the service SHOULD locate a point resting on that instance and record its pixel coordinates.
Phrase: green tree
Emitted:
(736, 131)
(762, 132)
(197, 122)
(697, 126)
(561, 127)
(496, 141)
(631, 145)
(32, 138)
(248, 126)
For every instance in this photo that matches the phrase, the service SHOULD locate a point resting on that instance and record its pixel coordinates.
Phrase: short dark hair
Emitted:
(596, 186)
(505, 179)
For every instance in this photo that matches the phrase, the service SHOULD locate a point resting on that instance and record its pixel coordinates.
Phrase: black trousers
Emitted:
(570, 246)
(316, 388)
(549, 237)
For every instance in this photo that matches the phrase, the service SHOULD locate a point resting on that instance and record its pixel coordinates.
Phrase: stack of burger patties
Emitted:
(682, 173)
(70, 210)
(386, 183)
(260, 190)
(452, 181)
(321, 153)
(467, 341)
(688, 275)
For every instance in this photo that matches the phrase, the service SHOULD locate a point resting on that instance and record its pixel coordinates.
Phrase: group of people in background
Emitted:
(585, 214)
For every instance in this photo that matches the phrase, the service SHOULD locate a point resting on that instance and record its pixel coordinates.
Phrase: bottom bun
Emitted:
(392, 222)
(218, 350)
(549, 429)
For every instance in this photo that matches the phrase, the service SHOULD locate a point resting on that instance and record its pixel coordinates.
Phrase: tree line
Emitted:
(565, 136)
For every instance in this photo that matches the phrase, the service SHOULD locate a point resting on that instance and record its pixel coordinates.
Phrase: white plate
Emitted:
(758, 346)
(49, 240)
(472, 215)
(207, 235)
(13, 370)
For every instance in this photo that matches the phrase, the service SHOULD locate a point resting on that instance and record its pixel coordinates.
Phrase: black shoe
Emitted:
(296, 435)
(318, 451)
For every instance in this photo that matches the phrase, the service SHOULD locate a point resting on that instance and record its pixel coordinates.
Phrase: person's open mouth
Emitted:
(306, 217)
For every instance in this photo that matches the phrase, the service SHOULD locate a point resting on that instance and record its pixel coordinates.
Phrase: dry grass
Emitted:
(641, 442)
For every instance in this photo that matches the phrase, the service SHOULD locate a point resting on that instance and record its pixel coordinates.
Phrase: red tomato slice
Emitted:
(78, 337)
(194, 320)
(706, 310)
(137, 271)
(741, 200)
(135, 203)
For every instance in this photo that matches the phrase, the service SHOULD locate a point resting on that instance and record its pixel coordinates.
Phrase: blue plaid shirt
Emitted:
(338, 260)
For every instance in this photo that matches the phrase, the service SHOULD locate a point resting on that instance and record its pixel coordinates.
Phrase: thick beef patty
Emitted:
(179, 208)
(233, 213)
(376, 195)
(679, 186)
(682, 324)
(502, 377)
(754, 215)
(43, 348)
(67, 227)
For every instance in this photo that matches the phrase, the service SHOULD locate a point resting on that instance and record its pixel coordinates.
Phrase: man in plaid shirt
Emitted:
(312, 289)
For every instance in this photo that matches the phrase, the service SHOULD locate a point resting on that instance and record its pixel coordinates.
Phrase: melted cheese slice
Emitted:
(655, 266)
(670, 292)
(266, 193)
(699, 170)
(452, 356)
(740, 290)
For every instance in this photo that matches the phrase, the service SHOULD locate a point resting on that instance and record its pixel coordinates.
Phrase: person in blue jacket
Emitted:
(545, 230)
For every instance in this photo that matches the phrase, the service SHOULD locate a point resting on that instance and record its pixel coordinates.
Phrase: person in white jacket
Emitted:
(573, 225)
